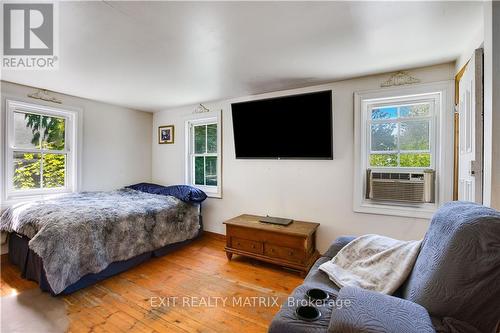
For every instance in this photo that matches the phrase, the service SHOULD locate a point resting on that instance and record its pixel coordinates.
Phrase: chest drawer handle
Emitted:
(290, 253)
(253, 246)
(272, 250)
(238, 243)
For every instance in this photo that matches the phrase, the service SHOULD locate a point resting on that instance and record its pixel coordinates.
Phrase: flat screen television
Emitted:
(289, 127)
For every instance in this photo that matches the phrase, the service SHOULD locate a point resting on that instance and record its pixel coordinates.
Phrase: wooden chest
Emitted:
(292, 246)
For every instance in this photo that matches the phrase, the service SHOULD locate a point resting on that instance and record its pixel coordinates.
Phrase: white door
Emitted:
(470, 106)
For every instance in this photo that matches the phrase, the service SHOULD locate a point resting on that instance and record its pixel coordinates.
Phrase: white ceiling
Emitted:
(157, 55)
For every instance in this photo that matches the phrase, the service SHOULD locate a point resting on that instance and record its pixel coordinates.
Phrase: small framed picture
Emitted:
(166, 134)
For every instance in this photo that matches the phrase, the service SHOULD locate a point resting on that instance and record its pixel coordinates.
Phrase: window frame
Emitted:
(207, 118)
(441, 144)
(71, 126)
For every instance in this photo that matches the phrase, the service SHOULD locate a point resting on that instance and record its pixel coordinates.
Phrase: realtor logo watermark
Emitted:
(29, 36)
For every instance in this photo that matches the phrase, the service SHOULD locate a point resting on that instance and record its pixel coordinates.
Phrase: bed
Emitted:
(70, 242)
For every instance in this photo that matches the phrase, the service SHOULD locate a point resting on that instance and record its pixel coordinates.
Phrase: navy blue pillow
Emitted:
(182, 192)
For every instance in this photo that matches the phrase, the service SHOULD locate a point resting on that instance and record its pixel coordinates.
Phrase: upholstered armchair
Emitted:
(454, 285)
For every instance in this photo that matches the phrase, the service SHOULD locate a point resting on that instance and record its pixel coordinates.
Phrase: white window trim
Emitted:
(72, 139)
(199, 119)
(441, 148)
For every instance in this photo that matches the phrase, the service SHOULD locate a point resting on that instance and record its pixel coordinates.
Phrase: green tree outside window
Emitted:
(400, 130)
(42, 169)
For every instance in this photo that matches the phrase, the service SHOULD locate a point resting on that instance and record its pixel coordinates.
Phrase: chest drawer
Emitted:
(265, 236)
(247, 245)
(286, 253)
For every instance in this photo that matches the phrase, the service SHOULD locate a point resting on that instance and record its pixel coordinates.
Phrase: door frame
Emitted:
(456, 126)
(479, 107)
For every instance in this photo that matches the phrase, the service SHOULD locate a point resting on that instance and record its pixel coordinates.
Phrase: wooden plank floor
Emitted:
(196, 278)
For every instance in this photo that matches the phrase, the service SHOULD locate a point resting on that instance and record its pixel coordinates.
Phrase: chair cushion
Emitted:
(337, 245)
(365, 311)
(320, 279)
(457, 273)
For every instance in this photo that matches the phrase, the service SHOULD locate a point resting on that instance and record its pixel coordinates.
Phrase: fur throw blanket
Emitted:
(373, 262)
(83, 233)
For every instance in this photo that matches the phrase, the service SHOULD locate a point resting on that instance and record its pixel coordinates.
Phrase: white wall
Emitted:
(488, 37)
(488, 104)
(470, 46)
(492, 104)
(495, 55)
(318, 191)
(116, 147)
(492, 57)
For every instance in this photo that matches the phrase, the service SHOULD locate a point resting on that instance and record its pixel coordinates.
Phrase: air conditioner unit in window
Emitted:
(411, 187)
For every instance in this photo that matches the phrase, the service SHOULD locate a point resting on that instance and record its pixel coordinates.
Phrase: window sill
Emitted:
(421, 211)
(211, 191)
(214, 195)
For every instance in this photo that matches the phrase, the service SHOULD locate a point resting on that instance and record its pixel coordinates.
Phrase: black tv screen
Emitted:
(297, 126)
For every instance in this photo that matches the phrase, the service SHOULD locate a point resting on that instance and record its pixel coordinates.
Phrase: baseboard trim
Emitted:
(215, 235)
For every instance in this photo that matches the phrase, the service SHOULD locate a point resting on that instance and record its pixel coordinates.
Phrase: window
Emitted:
(406, 132)
(203, 159)
(400, 134)
(40, 150)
